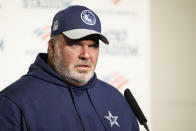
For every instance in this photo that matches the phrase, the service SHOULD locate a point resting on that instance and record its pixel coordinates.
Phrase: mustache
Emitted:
(88, 63)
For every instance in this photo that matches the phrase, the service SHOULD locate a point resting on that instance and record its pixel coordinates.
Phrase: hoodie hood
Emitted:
(41, 70)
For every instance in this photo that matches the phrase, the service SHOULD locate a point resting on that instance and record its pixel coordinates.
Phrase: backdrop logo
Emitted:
(46, 4)
(115, 2)
(43, 33)
(116, 79)
(121, 44)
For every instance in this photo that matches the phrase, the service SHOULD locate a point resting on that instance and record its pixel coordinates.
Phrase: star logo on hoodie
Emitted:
(112, 119)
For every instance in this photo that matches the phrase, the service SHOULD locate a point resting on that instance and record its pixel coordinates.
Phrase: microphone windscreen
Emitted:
(135, 107)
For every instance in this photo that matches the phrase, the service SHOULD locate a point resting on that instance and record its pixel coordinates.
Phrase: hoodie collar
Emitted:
(41, 70)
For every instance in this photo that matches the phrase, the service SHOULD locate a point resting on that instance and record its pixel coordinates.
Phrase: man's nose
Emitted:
(84, 53)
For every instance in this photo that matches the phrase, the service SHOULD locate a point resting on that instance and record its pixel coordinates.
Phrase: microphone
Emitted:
(136, 109)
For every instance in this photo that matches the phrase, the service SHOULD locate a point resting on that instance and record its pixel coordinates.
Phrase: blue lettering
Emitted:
(46, 4)
(1, 45)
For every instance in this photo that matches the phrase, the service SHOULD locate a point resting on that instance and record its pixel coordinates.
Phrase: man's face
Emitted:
(75, 61)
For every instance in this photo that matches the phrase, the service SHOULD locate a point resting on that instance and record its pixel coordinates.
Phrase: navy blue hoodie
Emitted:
(42, 100)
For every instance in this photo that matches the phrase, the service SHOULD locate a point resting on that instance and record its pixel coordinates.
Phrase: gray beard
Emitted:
(80, 77)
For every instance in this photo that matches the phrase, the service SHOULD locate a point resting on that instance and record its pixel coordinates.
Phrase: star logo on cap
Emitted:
(112, 119)
(88, 17)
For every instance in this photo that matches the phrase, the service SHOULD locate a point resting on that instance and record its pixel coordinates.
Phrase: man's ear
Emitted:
(51, 47)
(51, 52)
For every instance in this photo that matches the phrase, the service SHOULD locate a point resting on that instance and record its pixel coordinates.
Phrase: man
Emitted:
(61, 92)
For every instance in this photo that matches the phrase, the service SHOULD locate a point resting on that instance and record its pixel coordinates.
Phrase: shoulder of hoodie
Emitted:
(105, 87)
(19, 87)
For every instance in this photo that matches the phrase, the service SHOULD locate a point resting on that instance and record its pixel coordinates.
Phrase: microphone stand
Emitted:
(146, 126)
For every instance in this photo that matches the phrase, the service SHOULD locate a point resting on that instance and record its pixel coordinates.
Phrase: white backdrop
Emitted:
(25, 30)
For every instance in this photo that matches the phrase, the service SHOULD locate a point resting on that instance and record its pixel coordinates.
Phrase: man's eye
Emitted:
(94, 45)
(73, 43)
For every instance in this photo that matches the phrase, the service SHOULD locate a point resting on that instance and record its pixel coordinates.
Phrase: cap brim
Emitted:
(80, 33)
